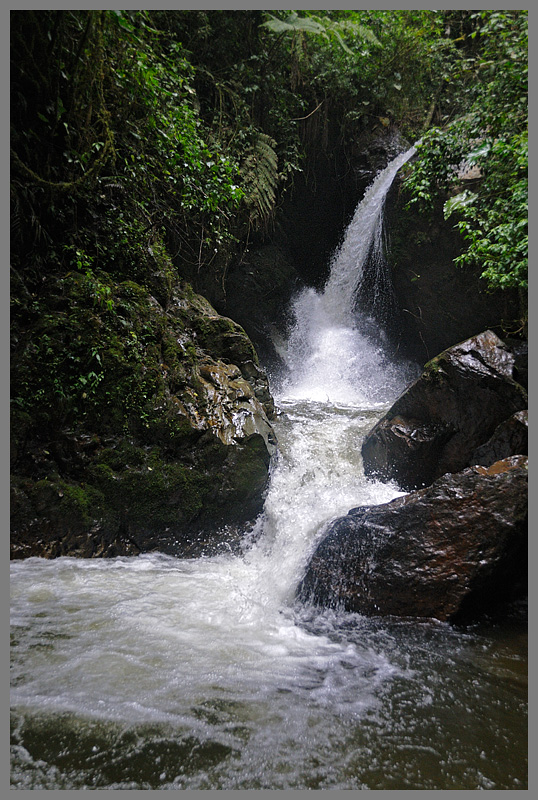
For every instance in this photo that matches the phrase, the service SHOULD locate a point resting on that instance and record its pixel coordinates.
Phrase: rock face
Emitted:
(439, 303)
(448, 552)
(258, 290)
(509, 438)
(160, 437)
(438, 423)
(309, 222)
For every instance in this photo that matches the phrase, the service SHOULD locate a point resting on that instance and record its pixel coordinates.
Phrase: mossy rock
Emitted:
(52, 517)
(134, 500)
(120, 444)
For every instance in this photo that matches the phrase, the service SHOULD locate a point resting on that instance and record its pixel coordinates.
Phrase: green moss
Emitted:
(103, 473)
(127, 373)
(151, 492)
(214, 326)
(58, 500)
(91, 364)
(224, 338)
(432, 366)
(133, 291)
(137, 478)
(435, 369)
(124, 453)
(148, 494)
(82, 502)
(116, 368)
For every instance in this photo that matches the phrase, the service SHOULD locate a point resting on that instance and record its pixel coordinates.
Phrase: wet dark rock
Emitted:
(450, 551)
(520, 349)
(259, 286)
(443, 417)
(438, 302)
(510, 438)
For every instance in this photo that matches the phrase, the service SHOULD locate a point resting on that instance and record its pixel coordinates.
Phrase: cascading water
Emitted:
(157, 673)
(330, 355)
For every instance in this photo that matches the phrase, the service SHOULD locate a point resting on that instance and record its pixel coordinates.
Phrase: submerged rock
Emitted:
(160, 437)
(448, 551)
(436, 425)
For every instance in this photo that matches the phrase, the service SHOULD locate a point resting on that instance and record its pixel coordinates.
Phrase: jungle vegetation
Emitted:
(160, 141)
(185, 127)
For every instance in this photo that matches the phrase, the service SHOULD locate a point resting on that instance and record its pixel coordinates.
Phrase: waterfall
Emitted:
(330, 354)
(151, 672)
(363, 239)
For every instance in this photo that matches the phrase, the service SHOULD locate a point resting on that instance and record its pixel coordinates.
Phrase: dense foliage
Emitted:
(492, 136)
(107, 144)
(150, 146)
(187, 125)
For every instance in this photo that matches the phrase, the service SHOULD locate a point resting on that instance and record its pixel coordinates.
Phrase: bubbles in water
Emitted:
(330, 360)
(325, 356)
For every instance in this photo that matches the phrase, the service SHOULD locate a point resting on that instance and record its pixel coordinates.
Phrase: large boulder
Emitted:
(138, 425)
(449, 551)
(436, 425)
(509, 438)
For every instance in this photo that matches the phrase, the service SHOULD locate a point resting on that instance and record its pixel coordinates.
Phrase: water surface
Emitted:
(152, 672)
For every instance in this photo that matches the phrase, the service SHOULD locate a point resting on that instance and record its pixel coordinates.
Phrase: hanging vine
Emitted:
(76, 106)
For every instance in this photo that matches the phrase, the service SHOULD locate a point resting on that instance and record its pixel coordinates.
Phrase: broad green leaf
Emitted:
(459, 202)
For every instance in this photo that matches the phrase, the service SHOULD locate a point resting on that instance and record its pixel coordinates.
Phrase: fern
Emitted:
(346, 26)
(323, 26)
(261, 179)
(293, 23)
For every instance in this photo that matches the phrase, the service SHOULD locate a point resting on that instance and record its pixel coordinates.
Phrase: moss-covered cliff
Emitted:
(438, 303)
(136, 426)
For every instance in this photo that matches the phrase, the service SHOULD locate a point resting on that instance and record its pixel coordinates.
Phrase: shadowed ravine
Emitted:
(153, 672)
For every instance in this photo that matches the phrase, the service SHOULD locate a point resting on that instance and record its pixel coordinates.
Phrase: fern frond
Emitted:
(347, 25)
(293, 22)
(323, 26)
(260, 179)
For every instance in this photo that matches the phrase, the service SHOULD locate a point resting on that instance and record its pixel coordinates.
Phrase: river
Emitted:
(151, 672)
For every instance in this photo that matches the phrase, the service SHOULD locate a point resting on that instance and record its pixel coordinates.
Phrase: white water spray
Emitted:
(152, 672)
(329, 355)
(170, 642)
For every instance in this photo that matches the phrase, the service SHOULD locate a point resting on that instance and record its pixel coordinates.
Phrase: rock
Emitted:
(520, 349)
(450, 551)
(162, 441)
(510, 438)
(439, 421)
(259, 286)
(438, 302)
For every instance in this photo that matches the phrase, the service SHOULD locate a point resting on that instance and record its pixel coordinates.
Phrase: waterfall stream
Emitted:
(150, 672)
(329, 353)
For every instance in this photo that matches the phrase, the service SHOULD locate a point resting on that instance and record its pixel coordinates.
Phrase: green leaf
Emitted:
(459, 202)
(293, 23)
